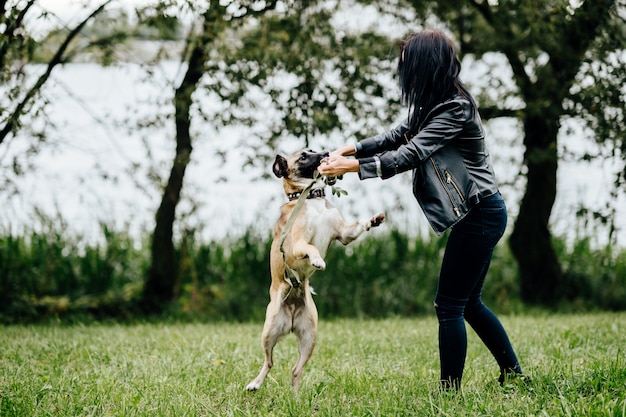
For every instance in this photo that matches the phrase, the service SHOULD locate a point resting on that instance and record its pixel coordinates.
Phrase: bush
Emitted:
(48, 274)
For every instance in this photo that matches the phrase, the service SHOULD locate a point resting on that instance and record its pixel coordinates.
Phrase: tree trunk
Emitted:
(159, 286)
(541, 276)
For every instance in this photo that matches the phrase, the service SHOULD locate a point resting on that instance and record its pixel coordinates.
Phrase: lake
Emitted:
(95, 167)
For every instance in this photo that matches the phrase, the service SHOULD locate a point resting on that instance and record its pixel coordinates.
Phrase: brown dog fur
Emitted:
(317, 225)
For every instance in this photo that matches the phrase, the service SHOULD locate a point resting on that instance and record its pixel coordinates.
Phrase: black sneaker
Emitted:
(513, 378)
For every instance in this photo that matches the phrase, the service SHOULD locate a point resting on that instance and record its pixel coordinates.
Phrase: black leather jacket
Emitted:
(451, 166)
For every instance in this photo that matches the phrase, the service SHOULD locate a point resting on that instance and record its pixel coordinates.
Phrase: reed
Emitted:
(50, 273)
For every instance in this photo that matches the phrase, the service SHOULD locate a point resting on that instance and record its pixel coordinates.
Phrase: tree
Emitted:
(20, 85)
(240, 61)
(321, 79)
(547, 45)
(17, 47)
(159, 286)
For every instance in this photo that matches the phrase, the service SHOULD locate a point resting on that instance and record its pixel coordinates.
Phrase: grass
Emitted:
(360, 368)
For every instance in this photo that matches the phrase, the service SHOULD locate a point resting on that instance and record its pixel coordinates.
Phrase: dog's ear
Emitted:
(280, 166)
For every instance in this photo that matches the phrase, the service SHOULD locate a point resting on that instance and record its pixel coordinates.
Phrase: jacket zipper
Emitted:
(443, 184)
(451, 181)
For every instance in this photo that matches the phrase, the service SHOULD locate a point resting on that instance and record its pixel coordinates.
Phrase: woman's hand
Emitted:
(336, 165)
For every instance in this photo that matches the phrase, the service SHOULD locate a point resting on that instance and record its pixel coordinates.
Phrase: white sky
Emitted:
(71, 11)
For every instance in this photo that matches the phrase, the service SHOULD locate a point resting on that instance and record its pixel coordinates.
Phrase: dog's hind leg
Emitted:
(305, 329)
(276, 325)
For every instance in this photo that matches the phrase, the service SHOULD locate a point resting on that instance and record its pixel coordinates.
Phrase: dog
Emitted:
(297, 251)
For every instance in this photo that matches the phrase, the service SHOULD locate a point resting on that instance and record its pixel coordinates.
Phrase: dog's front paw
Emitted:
(318, 263)
(377, 220)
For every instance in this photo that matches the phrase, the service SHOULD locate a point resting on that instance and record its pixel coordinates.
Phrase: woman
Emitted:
(442, 141)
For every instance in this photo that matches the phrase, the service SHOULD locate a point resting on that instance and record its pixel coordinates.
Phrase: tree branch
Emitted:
(248, 11)
(501, 28)
(57, 59)
(10, 30)
(494, 112)
(578, 33)
(484, 9)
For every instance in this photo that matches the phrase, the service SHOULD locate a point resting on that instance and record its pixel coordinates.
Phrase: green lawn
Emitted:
(360, 368)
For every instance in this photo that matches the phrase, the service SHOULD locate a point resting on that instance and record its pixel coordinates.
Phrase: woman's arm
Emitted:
(344, 151)
(386, 141)
(337, 163)
(446, 123)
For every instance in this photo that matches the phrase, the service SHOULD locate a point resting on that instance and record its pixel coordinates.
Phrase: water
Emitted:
(84, 173)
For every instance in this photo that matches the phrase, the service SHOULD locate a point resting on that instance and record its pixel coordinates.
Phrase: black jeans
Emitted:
(465, 264)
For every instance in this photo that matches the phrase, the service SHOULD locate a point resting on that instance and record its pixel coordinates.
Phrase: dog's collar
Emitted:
(314, 193)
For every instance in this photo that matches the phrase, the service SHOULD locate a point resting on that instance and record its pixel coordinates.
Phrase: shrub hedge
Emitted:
(48, 274)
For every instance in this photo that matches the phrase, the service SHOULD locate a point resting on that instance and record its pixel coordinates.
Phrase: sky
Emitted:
(72, 11)
(68, 7)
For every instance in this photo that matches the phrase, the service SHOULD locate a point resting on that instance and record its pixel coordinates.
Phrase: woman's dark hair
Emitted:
(428, 72)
